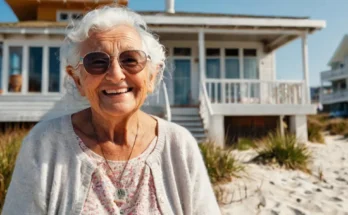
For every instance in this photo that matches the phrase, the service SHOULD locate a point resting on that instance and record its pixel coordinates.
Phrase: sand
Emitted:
(272, 190)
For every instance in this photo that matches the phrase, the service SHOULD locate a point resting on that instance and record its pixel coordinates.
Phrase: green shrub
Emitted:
(284, 150)
(245, 144)
(10, 142)
(221, 165)
(315, 130)
(337, 126)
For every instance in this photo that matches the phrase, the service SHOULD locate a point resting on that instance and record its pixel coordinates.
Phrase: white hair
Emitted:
(106, 18)
(100, 20)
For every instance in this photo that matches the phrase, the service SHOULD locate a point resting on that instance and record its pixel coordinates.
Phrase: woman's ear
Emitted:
(70, 71)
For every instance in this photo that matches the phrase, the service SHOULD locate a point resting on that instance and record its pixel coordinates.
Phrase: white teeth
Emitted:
(116, 91)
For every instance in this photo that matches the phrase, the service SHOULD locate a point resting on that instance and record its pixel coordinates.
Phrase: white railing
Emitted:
(168, 114)
(337, 96)
(244, 91)
(205, 109)
(158, 104)
(330, 74)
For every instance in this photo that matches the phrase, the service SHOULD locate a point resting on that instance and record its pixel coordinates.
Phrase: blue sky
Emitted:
(321, 45)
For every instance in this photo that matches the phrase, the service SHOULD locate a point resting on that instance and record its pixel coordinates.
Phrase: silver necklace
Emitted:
(121, 193)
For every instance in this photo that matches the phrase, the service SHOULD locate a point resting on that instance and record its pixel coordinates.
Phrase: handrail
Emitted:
(166, 98)
(206, 98)
(205, 109)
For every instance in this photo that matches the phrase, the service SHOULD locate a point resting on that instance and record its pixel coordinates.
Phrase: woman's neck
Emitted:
(118, 129)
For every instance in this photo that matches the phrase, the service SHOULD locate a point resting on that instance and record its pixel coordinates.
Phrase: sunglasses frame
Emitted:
(112, 57)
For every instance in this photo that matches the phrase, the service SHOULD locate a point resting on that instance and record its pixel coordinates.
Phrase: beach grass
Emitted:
(222, 166)
(10, 142)
(284, 150)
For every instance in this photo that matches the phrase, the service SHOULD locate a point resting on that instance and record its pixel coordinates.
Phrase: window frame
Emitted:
(45, 44)
(69, 13)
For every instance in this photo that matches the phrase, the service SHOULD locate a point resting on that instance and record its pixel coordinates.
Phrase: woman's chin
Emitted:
(119, 109)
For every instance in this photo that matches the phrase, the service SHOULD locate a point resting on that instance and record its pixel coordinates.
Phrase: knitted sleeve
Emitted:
(24, 196)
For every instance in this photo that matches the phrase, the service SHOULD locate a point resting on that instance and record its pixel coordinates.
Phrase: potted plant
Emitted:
(15, 82)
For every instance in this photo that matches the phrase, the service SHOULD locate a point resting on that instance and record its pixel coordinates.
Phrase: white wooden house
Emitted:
(223, 86)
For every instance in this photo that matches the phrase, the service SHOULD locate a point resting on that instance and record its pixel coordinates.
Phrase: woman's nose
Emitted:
(115, 72)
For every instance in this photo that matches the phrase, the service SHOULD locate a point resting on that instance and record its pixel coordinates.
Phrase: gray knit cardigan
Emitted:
(53, 175)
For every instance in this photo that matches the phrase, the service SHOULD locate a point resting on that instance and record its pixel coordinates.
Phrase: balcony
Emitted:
(336, 74)
(257, 97)
(338, 96)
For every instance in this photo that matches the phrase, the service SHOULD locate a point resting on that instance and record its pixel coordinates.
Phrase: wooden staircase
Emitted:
(190, 119)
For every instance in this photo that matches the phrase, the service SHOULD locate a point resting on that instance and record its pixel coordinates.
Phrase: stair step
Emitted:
(196, 129)
(189, 124)
(185, 118)
(184, 111)
(199, 136)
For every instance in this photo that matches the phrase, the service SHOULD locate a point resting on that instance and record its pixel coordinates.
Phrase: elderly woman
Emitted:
(111, 158)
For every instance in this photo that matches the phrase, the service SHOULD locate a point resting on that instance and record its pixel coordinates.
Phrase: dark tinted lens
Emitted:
(96, 63)
(133, 61)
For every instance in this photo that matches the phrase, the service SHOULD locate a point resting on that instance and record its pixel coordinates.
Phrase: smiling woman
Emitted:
(110, 158)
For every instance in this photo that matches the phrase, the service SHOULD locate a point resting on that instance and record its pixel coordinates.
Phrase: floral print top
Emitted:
(137, 189)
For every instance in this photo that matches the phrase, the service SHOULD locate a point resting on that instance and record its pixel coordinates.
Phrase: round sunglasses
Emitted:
(97, 63)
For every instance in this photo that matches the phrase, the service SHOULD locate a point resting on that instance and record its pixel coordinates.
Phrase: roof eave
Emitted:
(343, 41)
(234, 21)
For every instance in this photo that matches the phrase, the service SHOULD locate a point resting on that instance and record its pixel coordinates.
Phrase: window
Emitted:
(250, 64)
(53, 70)
(182, 52)
(213, 70)
(69, 15)
(232, 63)
(35, 69)
(15, 69)
(213, 63)
(76, 16)
(63, 17)
(210, 52)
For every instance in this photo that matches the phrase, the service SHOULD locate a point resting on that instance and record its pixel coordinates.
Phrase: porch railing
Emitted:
(158, 103)
(330, 74)
(168, 113)
(341, 95)
(205, 109)
(244, 91)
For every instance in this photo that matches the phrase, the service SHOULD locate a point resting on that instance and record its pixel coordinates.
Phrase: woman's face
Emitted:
(116, 92)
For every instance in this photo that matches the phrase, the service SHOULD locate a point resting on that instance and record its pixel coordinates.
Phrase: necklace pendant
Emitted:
(121, 194)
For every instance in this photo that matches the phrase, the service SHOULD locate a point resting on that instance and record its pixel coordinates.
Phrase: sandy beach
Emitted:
(270, 190)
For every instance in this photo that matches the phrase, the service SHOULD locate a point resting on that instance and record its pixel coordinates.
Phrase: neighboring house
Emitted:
(224, 84)
(334, 82)
(315, 94)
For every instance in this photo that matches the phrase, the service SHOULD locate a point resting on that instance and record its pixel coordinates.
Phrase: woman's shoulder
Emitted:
(178, 138)
(49, 128)
(177, 132)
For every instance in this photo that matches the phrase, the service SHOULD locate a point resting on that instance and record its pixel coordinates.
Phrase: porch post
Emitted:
(201, 48)
(25, 69)
(5, 67)
(305, 67)
(45, 68)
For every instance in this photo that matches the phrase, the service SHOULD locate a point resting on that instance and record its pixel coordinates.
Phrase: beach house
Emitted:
(221, 83)
(334, 82)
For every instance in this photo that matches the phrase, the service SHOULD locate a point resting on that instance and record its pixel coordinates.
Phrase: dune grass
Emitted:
(10, 142)
(285, 151)
(315, 130)
(245, 144)
(221, 164)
